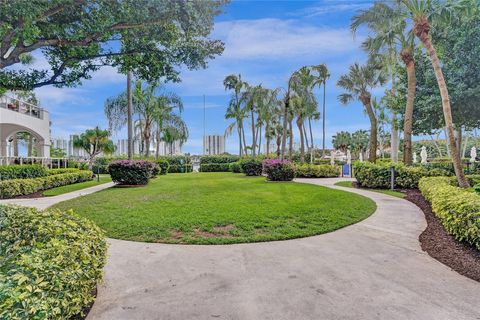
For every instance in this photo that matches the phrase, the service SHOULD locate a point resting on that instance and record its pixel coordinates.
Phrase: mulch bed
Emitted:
(38, 194)
(459, 256)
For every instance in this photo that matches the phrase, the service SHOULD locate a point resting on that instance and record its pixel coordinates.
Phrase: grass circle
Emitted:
(219, 208)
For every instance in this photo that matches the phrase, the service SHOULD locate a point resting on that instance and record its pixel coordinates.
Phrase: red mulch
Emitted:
(459, 256)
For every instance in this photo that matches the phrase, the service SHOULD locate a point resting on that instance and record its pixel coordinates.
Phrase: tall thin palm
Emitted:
(235, 110)
(358, 84)
(323, 76)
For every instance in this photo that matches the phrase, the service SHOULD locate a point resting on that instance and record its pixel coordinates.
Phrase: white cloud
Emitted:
(328, 7)
(280, 39)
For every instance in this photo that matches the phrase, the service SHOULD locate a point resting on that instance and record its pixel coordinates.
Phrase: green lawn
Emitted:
(219, 208)
(104, 178)
(384, 191)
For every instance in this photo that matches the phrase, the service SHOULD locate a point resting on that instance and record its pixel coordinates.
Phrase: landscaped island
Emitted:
(219, 208)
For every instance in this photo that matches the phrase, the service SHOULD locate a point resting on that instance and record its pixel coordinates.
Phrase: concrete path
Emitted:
(45, 202)
(372, 270)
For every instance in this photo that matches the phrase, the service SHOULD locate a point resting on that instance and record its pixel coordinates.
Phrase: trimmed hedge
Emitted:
(21, 187)
(175, 168)
(61, 171)
(279, 170)
(215, 167)
(235, 167)
(134, 172)
(223, 158)
(458, 209)
(251, 167)
(371, 175)
(316, 171)
(51, 262)
(22, 172)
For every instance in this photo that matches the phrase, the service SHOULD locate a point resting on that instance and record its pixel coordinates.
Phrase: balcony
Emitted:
(22, 107)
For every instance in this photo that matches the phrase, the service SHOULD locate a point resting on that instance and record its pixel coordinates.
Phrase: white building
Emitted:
(19, 116)
(122, 147)
(166, 149)
(213, 144)
(60, 144)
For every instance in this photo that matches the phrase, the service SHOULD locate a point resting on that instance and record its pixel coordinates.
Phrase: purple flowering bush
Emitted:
(131, 172)
(278, 170)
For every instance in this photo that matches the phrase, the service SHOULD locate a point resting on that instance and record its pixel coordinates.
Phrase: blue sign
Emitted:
(346, 170)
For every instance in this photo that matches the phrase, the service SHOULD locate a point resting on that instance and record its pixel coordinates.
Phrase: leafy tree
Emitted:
(94, 142)
(342, 140)
(150, 38)
(358, 84)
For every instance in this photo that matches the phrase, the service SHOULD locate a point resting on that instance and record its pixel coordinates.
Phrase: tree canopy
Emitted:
(152, 38)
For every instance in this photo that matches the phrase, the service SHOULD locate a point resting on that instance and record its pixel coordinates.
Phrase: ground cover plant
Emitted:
(50, 263)
(218, 208)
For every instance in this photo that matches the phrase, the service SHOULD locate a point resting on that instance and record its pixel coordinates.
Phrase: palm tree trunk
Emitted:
(279, 144)
(260, 139)
(253, 133)
(422, 33)
(157, 149)
(372, 155)
(302, 143)
(323, 121)
(394, 139)
(285, 121)
(459, 141)
(240, 147)
(408, 120)
(307, 143)
(311, 132)
(129, 116)
(290, 142)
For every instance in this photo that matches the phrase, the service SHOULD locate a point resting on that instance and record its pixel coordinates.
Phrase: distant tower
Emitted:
(213, 144)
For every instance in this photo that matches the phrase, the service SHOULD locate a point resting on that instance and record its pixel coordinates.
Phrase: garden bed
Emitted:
(434, 240)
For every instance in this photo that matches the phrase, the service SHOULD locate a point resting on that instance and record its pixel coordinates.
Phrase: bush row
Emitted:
(60, 171)
(215, 167)
(316, 171)
(251, 166)
(21, 187)
(458, 209)
(22, 172)
(219, 159)
(51, 262)
(371, 175)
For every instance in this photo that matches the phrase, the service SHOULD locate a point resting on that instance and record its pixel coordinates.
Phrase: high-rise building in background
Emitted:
(60, 144)
(213, 144)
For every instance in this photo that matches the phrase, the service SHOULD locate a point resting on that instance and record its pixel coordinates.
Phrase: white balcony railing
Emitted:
(22, 107)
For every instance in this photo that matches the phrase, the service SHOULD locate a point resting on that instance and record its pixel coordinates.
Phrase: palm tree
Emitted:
(389, 32)
(358, 84)
(250, 99)
(342, 140)
(94, 141)
(129, 116)
(421, 13)
(323, 76)
(235, 110)
(269, 112)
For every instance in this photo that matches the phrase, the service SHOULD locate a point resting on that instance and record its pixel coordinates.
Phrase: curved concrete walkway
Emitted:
(374, 269)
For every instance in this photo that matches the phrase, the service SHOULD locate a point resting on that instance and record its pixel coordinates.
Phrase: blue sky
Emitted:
(264, 41)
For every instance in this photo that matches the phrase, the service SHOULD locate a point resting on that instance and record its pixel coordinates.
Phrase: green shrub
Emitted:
(100, 165)
(60, 171)
(235, 167)
(180, 168)
(131, 172)
(22, 172)
(215, 167)
(20, 187)
(222, 158)
(51, 262)
(251, 166)
(278, 170)
(457, 208)
(476, 188)
(316, 171)
(164, 166)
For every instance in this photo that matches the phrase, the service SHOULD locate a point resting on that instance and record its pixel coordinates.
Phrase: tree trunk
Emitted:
(129, 117)
(372, 154)
(259, 140)
(465, 145)
(290, 142)
(311, 132)
(459, 141)
(307, 143)
(240, 151)
(302, 143)
(267, 138)
(279, 145)
(394, 139)
(242, 130)
(146, 137)
(408, 120)
(15, 145)
(323, 121)
(253, 133)
(421, 30)
(157, 149)
(285, 121)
